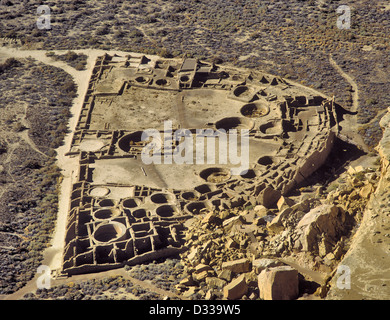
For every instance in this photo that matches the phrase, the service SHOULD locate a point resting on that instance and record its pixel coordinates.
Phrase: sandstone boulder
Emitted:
(226, 275)
(327, 222)
(237, 266)
(284, 202)
(366, 191)
(191, 291)
(187, 281)
(279, 283)
(202, 267)
(268, 197)
(276, 225)
(260, 210)
(214, 282)
(231, 244)
(236, 289)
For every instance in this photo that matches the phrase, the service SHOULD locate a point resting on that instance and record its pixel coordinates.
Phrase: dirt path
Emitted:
(350, 125)
(351, 81)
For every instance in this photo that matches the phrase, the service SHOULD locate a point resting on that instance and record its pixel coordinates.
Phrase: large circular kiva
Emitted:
(109, 232)
(166, 211)
(241, 90)
(106, 213)
(162, 198)
(215, 175)
(131, 140)
(254, 110)
(197, 206)
(130, 203)
(234, 123)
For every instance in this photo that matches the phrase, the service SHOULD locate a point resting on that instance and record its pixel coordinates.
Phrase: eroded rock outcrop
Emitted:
(363, 272)
(321, 228)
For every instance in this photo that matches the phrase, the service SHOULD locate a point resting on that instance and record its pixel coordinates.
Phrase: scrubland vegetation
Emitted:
(289, 38)
(35, 102)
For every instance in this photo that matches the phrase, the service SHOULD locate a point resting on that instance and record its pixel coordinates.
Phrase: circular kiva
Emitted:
(166, 211)
(133, 139)
(241, 91)
(250, 174)
(272, 128)
(162, 198)
(99, 192)
(215, 175)
(109, 232)
(266, 160)
(139, 213)
(254, 110)
(106, 213)
(184, 78)
(142, 80)
(234, 123)
(107, 203)
(163, 82)
(190, 195)
(204, 188)
(130, 203)
(197, 207)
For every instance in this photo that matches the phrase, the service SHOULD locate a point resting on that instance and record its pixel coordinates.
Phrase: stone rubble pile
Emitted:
(237, 254)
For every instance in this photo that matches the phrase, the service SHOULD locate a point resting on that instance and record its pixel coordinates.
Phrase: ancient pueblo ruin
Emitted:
(125, 212)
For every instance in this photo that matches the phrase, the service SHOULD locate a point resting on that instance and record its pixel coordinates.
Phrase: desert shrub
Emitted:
(18, 127)
(80, 66)
(32, 164)
(69, 86)
(3, 147)
(135, 34)
(8, 64)
(104, 30)
(70, 56)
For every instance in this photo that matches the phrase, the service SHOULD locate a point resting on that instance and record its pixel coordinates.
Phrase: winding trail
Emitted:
(350, 124)
(351, 81)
